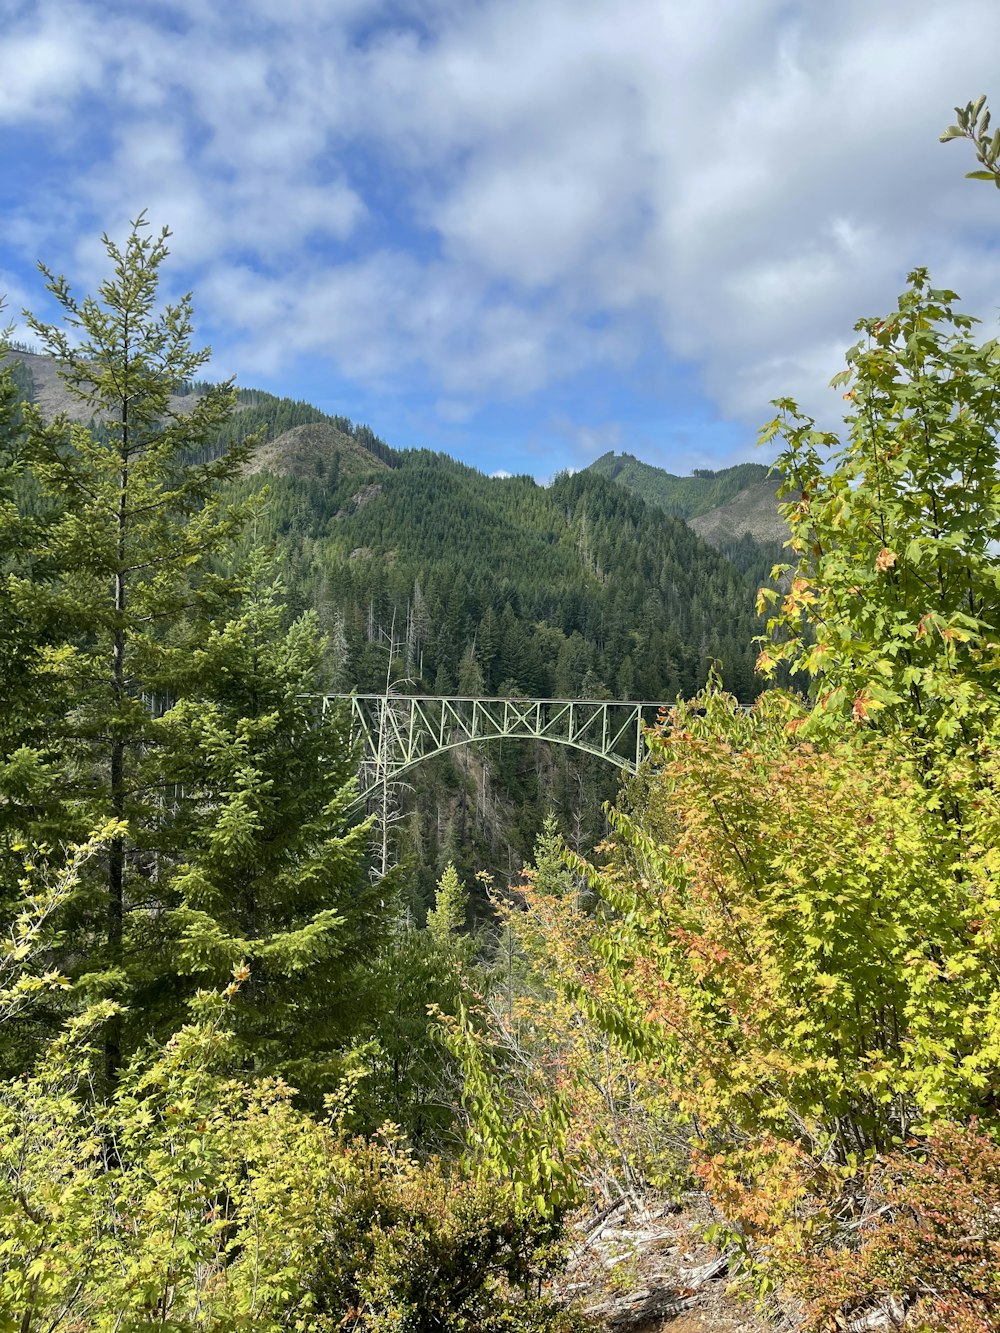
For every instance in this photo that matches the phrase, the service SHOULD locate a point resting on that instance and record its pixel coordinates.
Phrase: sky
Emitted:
(524, 232)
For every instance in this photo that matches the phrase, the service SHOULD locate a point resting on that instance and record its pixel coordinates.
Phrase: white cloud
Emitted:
(755, 177)
(48, 56)
(484, 198)
(386, 318)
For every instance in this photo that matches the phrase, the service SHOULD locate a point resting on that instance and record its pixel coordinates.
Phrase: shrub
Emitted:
(930, 1238)
(193, 1201)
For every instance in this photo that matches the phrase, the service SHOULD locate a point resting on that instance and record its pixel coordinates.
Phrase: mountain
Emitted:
(430, 577)
(720, 506)
(425, 570)
(454, 580)
(684, 497)
(39, 381)
(310, 440)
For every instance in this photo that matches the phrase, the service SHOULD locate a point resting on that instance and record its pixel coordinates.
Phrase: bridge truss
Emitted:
(398, 731)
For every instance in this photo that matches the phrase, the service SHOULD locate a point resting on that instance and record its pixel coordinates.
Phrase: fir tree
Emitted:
(267, 856)
(451, 903)
(30, 805)
(21, 629)
(131, 525)
(550, 873)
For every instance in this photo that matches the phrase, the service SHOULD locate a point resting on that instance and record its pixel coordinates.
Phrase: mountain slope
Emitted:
(427, 571)
(720, 506)
(39, 379)
(314, 449)
(455, 580)
(684, 497)
(752, 510)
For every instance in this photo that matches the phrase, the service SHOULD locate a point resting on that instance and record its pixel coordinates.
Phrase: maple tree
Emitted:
(800, 922)
(892, 613)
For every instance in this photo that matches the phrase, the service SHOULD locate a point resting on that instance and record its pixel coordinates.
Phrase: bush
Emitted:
(192, 1201)
(930, 1239)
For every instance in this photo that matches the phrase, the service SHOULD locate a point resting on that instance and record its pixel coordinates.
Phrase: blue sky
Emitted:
(522, 231)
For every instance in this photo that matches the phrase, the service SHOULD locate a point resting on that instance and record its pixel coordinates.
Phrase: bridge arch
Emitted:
(399, 731)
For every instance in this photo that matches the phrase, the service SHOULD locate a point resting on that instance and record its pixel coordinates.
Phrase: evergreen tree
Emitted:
(132, 523)
(266, 860)
(451, 903)
(550, 873)
(22, 631)
(31, 807)
(470, 674)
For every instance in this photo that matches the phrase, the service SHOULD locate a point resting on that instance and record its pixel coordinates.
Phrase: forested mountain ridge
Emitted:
(720, 506)
(453, 580)
(424, 570)
(265, 415)
(433, 578)
(685, 497)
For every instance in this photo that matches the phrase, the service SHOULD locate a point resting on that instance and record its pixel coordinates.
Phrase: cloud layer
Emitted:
(466, 204)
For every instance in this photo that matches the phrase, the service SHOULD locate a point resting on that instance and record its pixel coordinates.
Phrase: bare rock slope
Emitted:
(51, 396)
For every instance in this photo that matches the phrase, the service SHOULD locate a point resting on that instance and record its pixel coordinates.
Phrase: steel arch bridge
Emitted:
(399, 731)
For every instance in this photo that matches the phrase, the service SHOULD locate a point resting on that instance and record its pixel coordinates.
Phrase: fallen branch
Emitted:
(639, 1306)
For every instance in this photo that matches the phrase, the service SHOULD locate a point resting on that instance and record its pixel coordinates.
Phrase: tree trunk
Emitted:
(116, 852)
